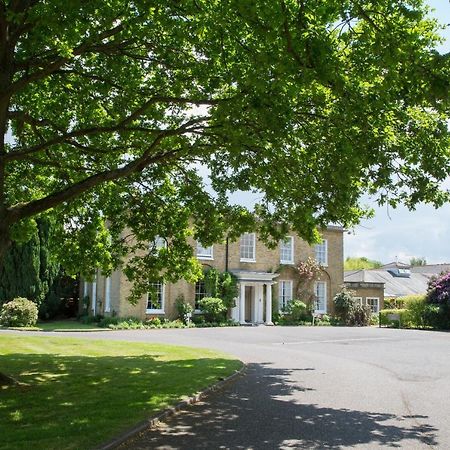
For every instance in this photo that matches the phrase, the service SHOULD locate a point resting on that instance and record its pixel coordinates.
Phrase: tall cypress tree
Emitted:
(28, 270)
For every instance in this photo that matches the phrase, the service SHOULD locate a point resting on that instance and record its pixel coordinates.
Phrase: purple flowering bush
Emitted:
(437, 313)
(439, 290)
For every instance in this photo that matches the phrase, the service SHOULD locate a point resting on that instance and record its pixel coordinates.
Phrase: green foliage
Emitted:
(214, 309)
(344, 304)
(184, 309)
(296, 311)
(112, 118)
(420, 261)
(29, 270)
(221, 285)
(212, 282)
(349, 311)
(358, 263)
(402, 313)
(228, 289)
(19, 312)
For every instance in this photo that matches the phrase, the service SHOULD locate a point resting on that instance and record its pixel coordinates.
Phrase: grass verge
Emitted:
(78, 393)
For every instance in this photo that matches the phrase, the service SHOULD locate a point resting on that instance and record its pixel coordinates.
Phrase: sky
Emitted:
(401, 234)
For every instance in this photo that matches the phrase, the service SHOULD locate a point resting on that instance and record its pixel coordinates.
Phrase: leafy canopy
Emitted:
(358, 263)
(115, 106)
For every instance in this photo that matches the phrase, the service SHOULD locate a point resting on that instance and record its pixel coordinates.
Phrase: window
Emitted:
(200, 292)
(155, 298)
(321, 297)
(248, 247)
(373, 302)
(204, 252)
(285, 293)
(321, 251)
(358, 300)
(287, 251)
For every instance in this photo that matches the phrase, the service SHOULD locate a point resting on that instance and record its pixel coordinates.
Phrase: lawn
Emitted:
(62, 325)
(78, 393)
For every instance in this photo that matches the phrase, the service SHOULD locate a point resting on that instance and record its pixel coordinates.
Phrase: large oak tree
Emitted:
(113, 107)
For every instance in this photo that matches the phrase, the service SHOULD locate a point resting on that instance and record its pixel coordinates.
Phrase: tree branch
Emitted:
(21, 211)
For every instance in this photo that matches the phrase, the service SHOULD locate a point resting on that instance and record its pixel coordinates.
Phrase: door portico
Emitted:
(258, 299)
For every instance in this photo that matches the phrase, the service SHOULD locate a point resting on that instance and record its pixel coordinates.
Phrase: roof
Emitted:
(417, 283)
(434, 269)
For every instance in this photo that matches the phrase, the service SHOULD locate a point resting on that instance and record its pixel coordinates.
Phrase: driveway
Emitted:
(314, 388)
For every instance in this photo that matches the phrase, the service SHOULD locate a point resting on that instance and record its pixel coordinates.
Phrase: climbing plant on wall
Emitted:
(308, 272)
(222, 285)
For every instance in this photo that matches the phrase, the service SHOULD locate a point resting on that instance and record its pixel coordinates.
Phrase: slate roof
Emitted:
(417, 283)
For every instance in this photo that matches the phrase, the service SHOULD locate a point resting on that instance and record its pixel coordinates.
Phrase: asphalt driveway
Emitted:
(314, 388)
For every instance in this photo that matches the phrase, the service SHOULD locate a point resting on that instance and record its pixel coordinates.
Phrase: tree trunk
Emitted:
(5, 242)
(6, 380)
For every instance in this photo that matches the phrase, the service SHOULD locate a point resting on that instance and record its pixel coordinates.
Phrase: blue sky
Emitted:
(401, 233)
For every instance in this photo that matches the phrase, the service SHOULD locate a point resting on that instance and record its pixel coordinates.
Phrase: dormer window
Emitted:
(204, 252)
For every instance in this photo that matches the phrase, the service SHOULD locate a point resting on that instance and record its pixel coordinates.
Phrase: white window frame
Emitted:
(324, 284)
(159, 243)
(198, 310)
(252, 259)
(378, 304)
(324, 243)
(359, 300)
(205, 252)
(291, 259)
(282, 302)
(163, 295)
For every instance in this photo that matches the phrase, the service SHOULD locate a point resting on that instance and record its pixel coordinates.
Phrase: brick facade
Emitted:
(266, 261)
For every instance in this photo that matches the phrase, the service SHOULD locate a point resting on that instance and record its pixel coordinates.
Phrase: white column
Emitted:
(108, 294)
(260, 303)
(255, 303)
(94, 296)
(242, 305)
(269, 304)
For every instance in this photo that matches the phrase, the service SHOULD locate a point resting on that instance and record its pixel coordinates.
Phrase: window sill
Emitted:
(247, 260)
(287, 263)
(208, 258)
(154, 311)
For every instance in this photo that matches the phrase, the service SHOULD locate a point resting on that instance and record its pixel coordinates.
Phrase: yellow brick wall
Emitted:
(267, 260)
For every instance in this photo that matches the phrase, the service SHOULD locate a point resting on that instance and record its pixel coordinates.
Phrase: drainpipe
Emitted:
(226, 255)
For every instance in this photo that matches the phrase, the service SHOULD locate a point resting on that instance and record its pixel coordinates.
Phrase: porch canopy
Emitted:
(261, 284)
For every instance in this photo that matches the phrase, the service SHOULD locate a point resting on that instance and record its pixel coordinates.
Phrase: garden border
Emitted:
(152, 421)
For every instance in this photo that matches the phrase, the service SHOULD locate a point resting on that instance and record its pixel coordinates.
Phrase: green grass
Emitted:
(78, 393)
(71, 325)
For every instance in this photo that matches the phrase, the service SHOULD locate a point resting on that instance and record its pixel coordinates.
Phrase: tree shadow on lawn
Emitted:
(259, 412)
(81, 401)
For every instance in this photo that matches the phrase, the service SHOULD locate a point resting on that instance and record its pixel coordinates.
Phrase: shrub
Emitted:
(213, 309)
(415, 305)
(19, 312)
(403, 313)
(296, 311)
(362, 315)
(344, 305)
(439, 290)
(349, 311)
(184, 309)
(435, 317)
(439, 294)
